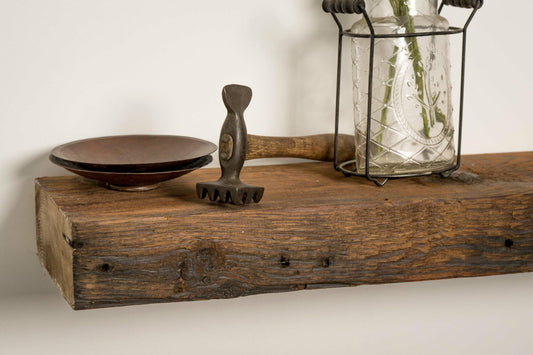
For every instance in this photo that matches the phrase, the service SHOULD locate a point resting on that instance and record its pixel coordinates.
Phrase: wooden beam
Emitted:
(314, 229)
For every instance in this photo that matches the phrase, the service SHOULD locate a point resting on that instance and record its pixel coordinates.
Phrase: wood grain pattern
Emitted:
(319, 147)
(314, 228)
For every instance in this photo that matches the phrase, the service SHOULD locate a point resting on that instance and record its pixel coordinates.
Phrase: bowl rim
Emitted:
(143, 167)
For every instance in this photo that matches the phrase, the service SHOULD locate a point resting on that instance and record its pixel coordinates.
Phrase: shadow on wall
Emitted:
(313, 76)
(20, 270)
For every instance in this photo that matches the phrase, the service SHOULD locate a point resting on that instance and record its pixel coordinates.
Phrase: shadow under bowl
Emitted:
(138, 181)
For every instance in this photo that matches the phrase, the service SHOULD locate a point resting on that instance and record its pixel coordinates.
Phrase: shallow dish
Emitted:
(131, 154)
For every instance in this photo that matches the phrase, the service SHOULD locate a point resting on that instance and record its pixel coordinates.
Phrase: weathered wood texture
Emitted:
(314, 228)
(319, 147)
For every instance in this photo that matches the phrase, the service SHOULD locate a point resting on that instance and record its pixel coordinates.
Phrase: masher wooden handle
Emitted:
(319, 147)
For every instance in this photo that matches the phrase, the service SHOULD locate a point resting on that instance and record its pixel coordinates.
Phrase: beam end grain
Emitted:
(53, 242)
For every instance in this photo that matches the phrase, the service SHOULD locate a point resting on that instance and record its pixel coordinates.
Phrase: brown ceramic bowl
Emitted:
(132, 154)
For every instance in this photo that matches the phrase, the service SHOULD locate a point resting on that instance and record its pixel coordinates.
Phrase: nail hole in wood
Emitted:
(509, 243)
(105, 267)
(326, 263)
(285, 262)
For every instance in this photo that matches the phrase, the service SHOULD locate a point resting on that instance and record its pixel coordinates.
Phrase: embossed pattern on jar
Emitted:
(412, 127)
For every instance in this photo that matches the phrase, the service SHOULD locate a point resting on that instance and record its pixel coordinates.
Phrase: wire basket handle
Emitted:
(358, 6)
(343, 6)
(467, 4)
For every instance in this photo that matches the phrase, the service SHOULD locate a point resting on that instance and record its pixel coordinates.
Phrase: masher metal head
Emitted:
(235, 192)
(232, 153)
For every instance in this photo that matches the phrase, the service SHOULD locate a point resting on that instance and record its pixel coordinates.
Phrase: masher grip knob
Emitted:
(236, 98)
(343, 6)
(467, 4)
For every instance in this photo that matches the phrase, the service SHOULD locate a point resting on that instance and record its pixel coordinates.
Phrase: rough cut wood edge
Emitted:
(53, 249)
(167, 246)
(307, 248)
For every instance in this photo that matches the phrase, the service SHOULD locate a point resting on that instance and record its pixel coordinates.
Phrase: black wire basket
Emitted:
(334, 7)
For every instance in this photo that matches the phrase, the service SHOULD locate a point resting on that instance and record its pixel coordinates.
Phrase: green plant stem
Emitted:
(401, 10)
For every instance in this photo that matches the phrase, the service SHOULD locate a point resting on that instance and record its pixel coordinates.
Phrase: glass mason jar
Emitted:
(412, 129)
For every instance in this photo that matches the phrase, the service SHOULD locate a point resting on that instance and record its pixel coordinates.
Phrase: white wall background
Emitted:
(76, 69)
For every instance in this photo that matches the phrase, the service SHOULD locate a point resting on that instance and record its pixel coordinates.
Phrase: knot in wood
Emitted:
(209, 263)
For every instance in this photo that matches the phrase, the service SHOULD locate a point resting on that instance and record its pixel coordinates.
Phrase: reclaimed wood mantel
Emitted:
(314, 228)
